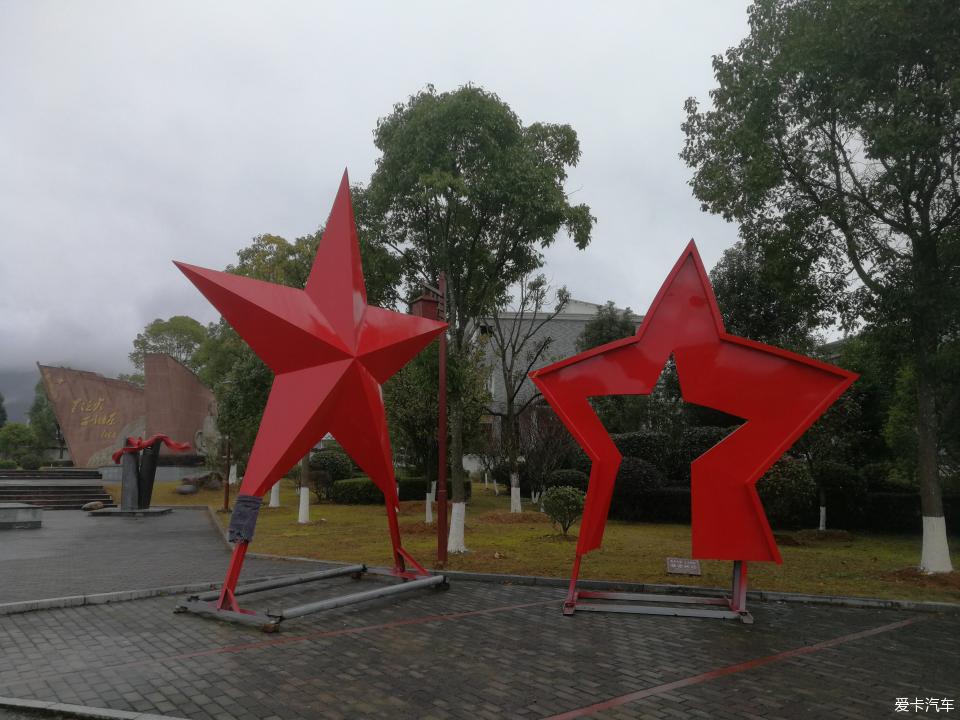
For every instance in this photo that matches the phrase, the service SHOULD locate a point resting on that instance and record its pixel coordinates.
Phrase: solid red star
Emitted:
(778, 393)
(329, 351)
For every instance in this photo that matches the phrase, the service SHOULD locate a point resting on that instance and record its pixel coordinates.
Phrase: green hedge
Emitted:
(362, 491)
(634, 478)
(569, 478)
(789, 495)
(31, 461)
(8, 464)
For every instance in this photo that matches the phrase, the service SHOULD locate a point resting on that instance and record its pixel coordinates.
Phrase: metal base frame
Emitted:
(208, 604)
(734, 607)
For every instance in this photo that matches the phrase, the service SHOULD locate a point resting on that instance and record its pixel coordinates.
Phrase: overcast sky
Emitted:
(134, 133)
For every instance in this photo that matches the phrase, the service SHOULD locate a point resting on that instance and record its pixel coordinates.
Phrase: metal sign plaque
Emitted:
(682, 566)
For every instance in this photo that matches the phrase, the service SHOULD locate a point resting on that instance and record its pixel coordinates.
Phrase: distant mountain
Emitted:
(17, 389)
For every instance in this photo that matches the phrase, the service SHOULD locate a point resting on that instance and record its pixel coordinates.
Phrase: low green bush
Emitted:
(30, 461)
(362, 491)
(634, 478)
(789, 495)
(563, 505)
(8, 464)
(326, 468)
(356, 491)
(568, 478)
(648, 445)
(666, 505)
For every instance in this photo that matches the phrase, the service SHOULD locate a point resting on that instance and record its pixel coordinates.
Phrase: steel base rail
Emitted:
(331, 603)
(269, 621)
(355, 570)
(735, 605)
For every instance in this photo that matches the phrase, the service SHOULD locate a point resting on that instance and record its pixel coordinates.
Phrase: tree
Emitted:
(833, 140)
(179, 337)
(16, 441)
(410, 399)
(463, 187)
(43, 421)
(607, 325)
(660, 410)
(3, 412)
(756, 303)
(519, 343)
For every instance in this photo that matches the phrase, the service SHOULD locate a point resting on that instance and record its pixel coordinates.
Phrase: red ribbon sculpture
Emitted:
(778, 393)
(330, 352)
(134, 445)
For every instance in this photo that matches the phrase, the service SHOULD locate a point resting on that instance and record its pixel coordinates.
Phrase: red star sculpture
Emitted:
(778, 393)
(330, 352)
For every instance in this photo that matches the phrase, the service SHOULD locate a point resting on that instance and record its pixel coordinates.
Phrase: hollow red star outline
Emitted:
(779, 394)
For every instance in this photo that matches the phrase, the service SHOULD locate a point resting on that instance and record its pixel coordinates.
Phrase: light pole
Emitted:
(442, 432)
(432, 303)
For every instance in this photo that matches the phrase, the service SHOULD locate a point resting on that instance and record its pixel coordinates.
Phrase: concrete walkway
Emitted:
(479, 650)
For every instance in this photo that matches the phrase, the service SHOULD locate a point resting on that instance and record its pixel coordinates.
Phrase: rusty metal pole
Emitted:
(442, 433)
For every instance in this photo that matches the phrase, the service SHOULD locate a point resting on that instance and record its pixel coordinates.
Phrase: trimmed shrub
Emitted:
(563, 505)
(326, 468)
(649, 445)
(666, 505)
(8, 464)
(362, 491)
(694, 442)
(568, 478)
(634, 478)
(789, 495)
(356, 491)
(31, 461)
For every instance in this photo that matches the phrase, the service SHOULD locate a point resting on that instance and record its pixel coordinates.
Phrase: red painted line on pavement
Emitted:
(729, 670)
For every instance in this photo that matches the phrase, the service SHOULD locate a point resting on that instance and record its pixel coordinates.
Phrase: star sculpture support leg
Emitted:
(330, 353)
(778, 393)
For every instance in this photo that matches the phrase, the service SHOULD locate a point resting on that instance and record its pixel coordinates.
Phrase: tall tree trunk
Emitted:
(935, 553)
(512, 461)
(456, 541)
(823, 508)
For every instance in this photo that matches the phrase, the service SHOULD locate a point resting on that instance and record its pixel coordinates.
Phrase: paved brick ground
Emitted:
(478, 651)
(75, 554)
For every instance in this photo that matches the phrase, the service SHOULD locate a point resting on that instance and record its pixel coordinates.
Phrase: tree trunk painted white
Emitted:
(496, 489)
(486, 478)
(455, 541)
(823, 517)
(534, 497)
(515, 505)
(428, 505)
(935, 556)
(433, 491)
(232, 478)
(275, 495)
(304, 516)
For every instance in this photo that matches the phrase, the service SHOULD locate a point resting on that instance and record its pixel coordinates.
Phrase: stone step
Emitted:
(54, 474)
(48, 489)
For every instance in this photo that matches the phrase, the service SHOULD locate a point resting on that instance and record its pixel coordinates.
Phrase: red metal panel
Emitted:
(778, 393)
(330, 351)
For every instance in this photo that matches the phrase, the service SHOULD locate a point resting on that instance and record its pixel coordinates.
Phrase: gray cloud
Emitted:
(133, 133)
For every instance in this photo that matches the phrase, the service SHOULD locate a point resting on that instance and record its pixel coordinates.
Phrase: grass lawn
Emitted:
(527, 544)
